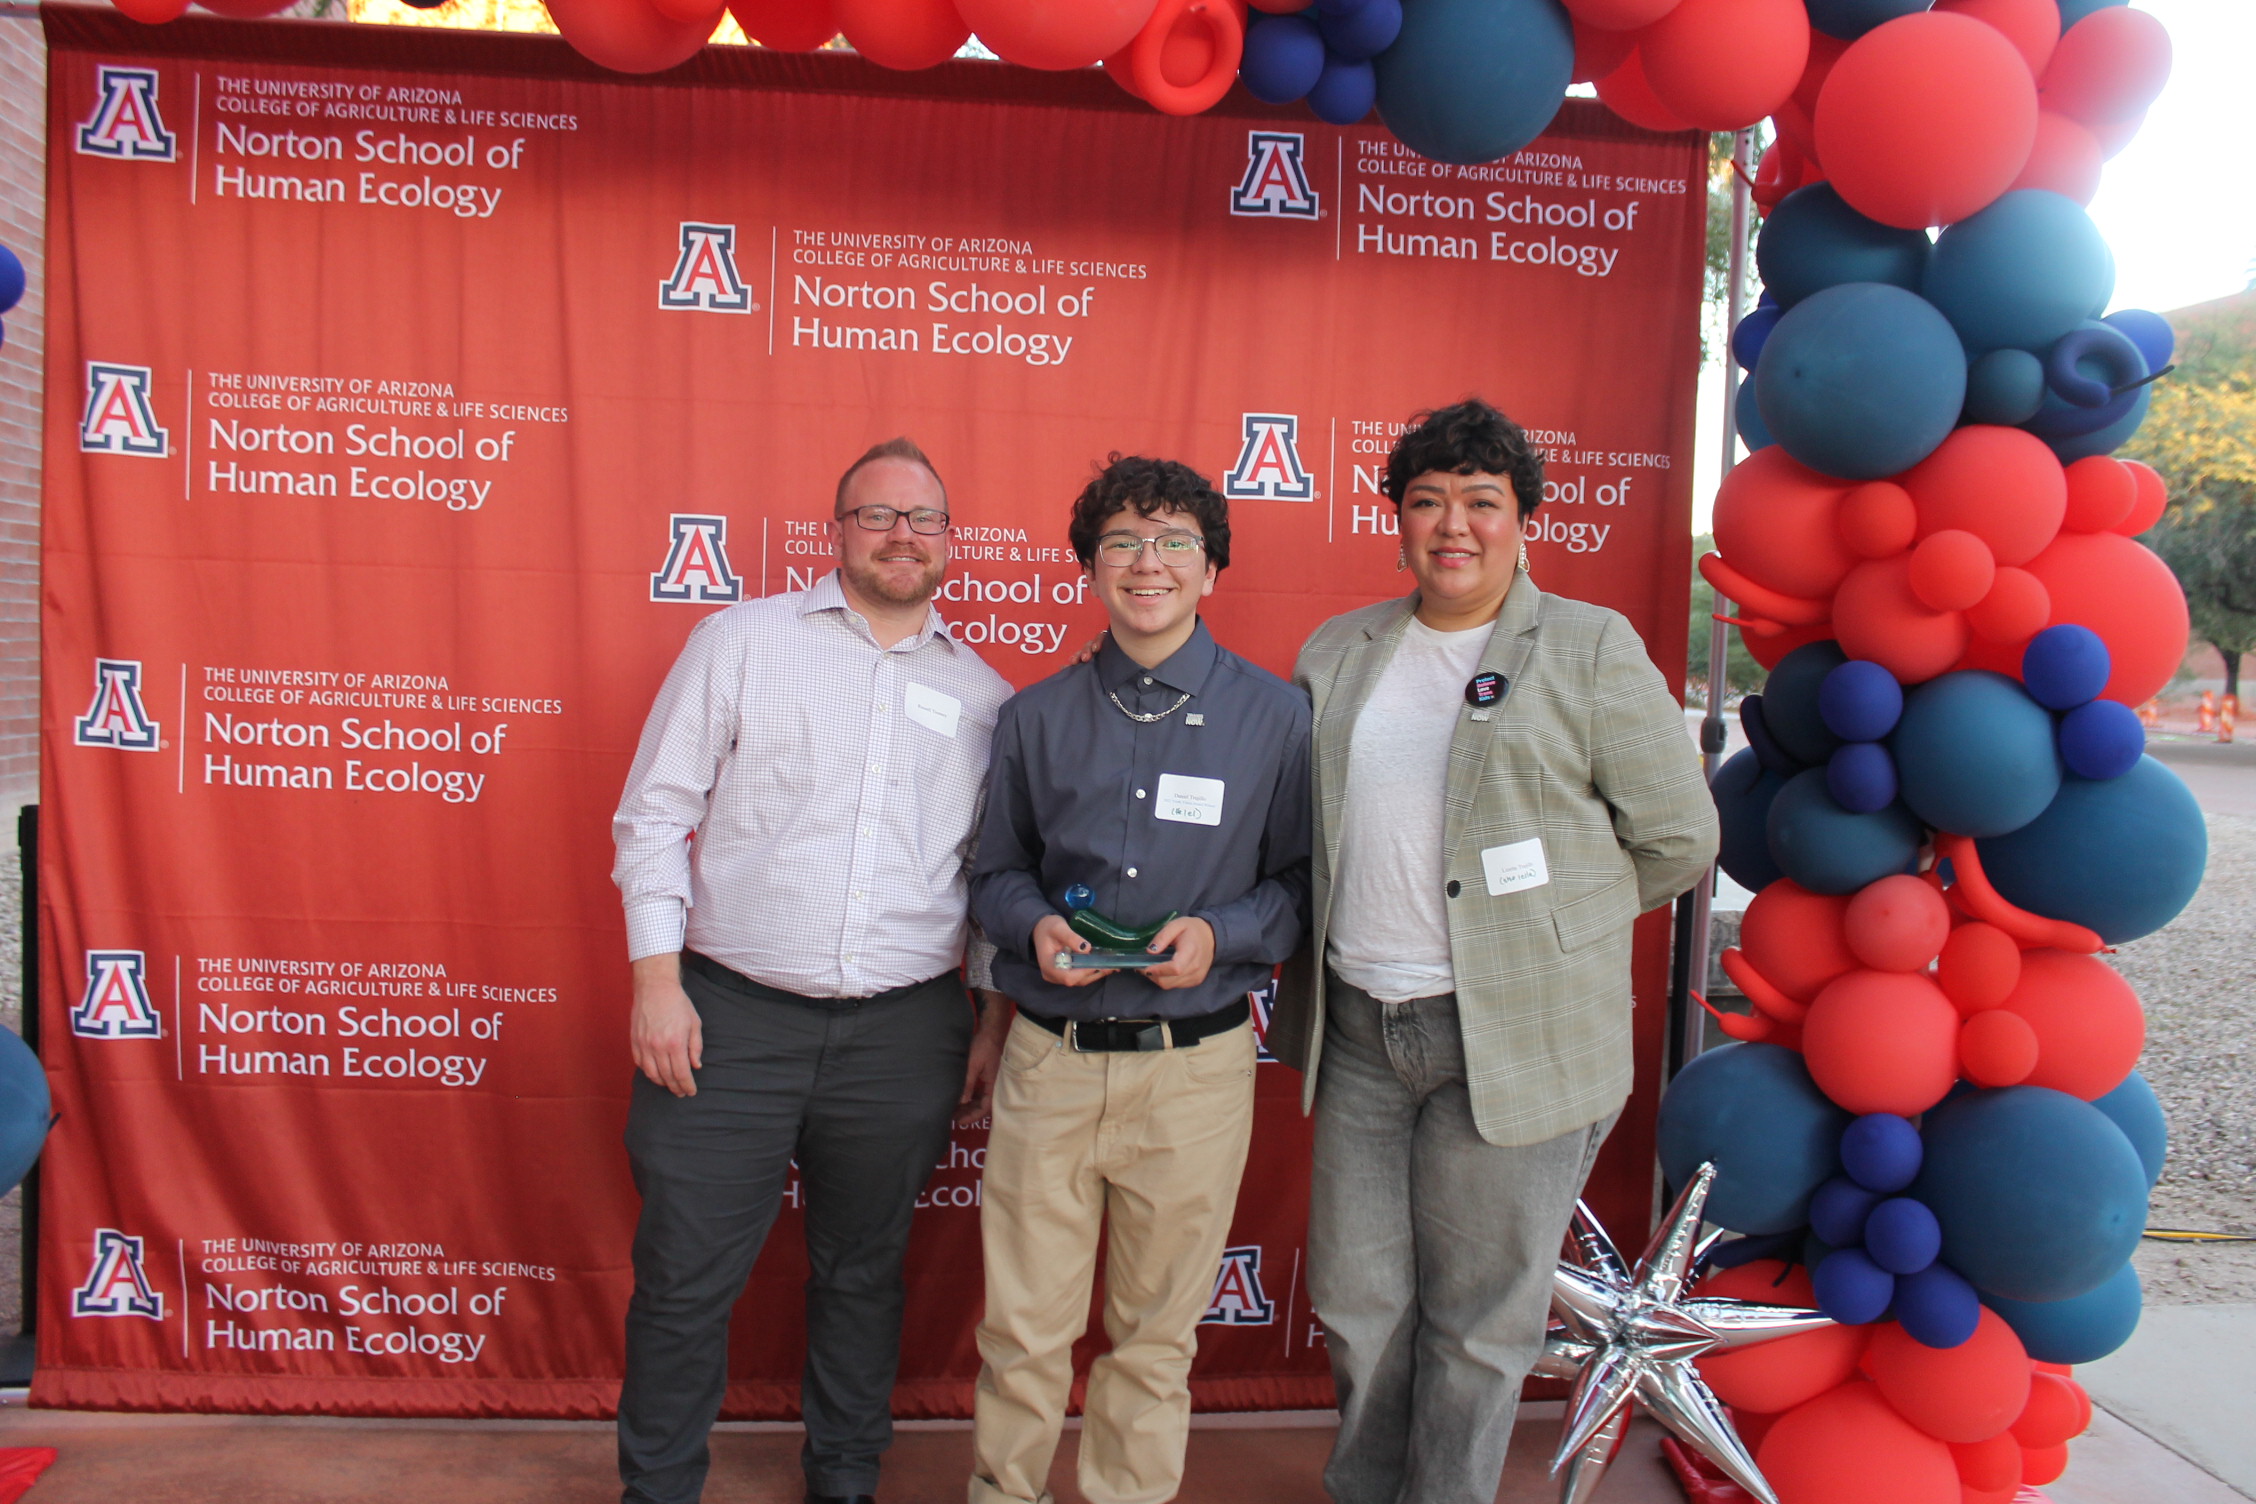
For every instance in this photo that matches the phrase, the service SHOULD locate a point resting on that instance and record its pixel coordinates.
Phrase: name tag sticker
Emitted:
(1512, 868)
(1190, 801)
(931, 709)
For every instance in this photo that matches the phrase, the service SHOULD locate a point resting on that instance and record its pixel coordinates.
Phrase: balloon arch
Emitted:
(1930, 1128)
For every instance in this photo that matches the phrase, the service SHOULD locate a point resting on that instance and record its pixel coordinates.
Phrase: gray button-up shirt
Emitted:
(1080, 793)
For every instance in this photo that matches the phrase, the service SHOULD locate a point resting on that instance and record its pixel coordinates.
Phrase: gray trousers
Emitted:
(1430, 1253)
(860, 1093)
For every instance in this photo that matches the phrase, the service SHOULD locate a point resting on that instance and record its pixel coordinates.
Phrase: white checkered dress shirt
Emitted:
(795, 813)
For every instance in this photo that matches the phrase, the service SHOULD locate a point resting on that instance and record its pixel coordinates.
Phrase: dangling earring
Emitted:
(1523, 556)
(1402, 559)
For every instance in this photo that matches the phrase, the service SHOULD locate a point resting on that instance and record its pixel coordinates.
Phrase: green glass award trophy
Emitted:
(1118, 947)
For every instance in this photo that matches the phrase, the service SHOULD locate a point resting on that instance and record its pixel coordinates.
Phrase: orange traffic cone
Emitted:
(2225, 716)
(2208, 721)
(2150, 714)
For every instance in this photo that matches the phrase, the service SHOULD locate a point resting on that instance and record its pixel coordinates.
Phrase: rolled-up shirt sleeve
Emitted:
(690, 733)
(1264, 926)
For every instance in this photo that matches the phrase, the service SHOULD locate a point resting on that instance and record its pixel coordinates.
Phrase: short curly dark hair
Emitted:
(1470, 438)
(1148, 487)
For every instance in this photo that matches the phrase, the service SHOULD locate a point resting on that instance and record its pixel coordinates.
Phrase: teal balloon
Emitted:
(1742, 791)
(1747, 413)
(1792, 700)
(2005, 387)
(2134, 1108)
(1861, 381)
(1754, 1113)
(1975, 755)
(2121, 856)
(2082, 1329)
(1473, 80)
(2021, 273)
(1828, 849)
(24, 1108)
(1813, 240)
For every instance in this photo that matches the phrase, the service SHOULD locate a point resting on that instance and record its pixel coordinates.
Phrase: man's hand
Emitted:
(985, 1059)
(1088, 651)
(1051, 935)
(667, 1035)
(1193, 942)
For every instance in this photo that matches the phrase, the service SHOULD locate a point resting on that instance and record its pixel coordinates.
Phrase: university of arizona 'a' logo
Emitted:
(118, 1284)
(117, 718)
(705, 273)
(697, 563)
(118, 417)
(1275, 181)
(1238, 1297)
(125, 122)
(1269, 466)
(116, 1004)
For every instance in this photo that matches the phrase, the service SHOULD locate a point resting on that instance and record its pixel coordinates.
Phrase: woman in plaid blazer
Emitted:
(1503, 783)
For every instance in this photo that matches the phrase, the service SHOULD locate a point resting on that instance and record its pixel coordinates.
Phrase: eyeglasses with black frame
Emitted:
(930, 521)
(1179, 550)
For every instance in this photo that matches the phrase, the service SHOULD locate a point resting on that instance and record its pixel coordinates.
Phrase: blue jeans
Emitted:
(1430, 1252)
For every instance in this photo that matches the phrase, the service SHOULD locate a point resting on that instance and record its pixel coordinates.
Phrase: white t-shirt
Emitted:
(1389, 930)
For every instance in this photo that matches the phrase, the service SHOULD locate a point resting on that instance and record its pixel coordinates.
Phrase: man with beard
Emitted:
(792, 847)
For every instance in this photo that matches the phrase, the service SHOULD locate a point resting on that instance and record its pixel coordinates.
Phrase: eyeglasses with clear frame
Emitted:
(930, 521)
(1177, 550)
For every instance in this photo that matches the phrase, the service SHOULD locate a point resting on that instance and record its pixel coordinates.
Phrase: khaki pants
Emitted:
(1156, 1142)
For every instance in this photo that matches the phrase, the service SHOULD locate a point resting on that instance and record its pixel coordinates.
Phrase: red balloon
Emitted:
(244, 10)
(1725, 64)
(1775, 522)
(1774, 1376)
(1618, 15)
(2000, 484)
(786, 25)
(1897, 924)
(1881, 1041)
(1628, 93)
(1997, 1048)
(903, 34)
(631, 36)
(1876, 519)
(1979, 967)
(1824, 51)
(1926, 119)
(2147, 510)
(2066, 159)
(1876, 616)
(2012, 613)
(1598, 51)
(2113, 138)
(2088, 1023)
(153, 12)
(2106, 582)
(2032, 26)
(2057, 1413)
(2043, 1465)
(1989, 1466)
(1952, 570)
(1187, 55)
(2101, 492)
(2108, 73)
(1768, 649)
(1848, 1447)
(1055, 34)
(1794, 937)
(1966, 1393)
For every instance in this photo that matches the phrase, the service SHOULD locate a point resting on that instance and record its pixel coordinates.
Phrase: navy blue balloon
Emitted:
(2072, 11)
(1860, 701)
(2094, 366)
(1752, 1111)
(1861, 381)
(24, 1108)
(1861, 777)
(1838, 1211)
(1754, 327)
(1748, 414)
(2066, 428)
(2133, 1108)
(2121, 856)
(1815, 1250)
(2022, 272)
(1362, 33)
(1754, 720)
(2083, 1329)
(1344, 92)
(1851, 1288)
(2103, 739)
(1902, 1236)
(2148, 330)
(2005, 387)
(1743, 789)
(1813, 240)
(2064, 666)
(1284, 56)
(12, 280)
(1792, 700)
(1882, 1152)
(1975, 754)
(2040, 1197)
(1936, 1307)
(1475, 80)
(1850, 19)
(1828, 849)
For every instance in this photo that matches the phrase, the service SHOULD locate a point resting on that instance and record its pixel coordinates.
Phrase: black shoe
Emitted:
(815, 1498)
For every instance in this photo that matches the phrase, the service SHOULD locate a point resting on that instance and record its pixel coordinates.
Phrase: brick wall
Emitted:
(23, 229)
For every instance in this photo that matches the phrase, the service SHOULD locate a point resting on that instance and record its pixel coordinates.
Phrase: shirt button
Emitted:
(1131, 872)
(1147, 678)
(1453, 887)
(1139, 793)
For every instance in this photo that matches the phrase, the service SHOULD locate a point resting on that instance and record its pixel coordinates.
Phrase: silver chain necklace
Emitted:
(1180, 702)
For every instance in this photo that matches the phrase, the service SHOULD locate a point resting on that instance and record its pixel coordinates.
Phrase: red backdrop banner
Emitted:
(410, 395)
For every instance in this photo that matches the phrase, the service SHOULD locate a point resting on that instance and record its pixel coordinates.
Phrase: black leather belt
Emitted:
(1137, 1035)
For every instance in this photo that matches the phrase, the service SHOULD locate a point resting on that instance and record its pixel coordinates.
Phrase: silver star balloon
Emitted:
(1626, 1336)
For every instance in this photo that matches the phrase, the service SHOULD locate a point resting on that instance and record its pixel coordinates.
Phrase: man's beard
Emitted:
(870, 579)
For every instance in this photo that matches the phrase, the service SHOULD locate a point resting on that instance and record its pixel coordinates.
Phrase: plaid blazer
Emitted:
(1587, 751)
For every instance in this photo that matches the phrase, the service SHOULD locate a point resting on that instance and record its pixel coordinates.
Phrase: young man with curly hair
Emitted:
(1168, 777)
